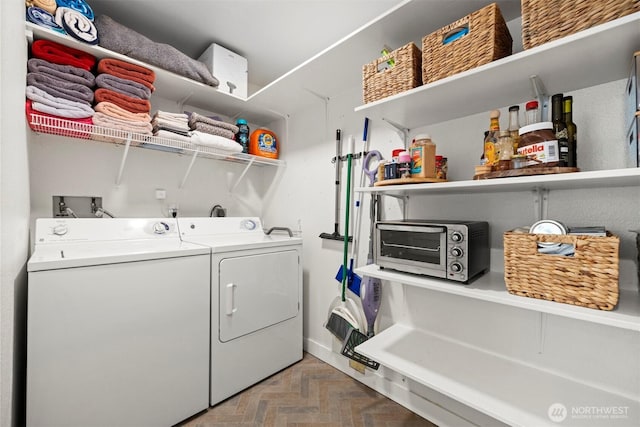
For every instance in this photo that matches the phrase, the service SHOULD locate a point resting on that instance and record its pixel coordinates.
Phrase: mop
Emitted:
(336, 223)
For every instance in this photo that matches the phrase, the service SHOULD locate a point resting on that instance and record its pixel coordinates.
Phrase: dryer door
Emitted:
(257, 291)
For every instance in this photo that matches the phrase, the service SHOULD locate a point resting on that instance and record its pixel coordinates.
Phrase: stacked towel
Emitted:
(216, 142)
(129, 103)
(128, 71)
(171, 122)
(198, 122)
(48, 5)
(59, 88)
(60, 54)
(81, 129)
(79, 6)
(123, 86)
(77, 25)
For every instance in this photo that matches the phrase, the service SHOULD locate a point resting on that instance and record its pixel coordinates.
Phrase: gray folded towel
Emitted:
(198, 118)
(64, 72)
(212, 130)
(124, 40)
(124, 86)
(61, 107)
(60, 88)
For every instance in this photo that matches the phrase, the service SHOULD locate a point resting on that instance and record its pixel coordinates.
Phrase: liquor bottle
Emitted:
(491, 154)
(560, 129)
(572, 131)
(514, 126)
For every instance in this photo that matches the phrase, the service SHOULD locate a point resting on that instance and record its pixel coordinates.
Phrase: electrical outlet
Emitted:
(161, 194)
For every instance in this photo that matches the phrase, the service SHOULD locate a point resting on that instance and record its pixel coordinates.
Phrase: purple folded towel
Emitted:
(65, 72)
(60, 88)
(124, 86)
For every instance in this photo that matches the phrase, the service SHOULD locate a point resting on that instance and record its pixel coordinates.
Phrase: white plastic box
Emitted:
(228, 67)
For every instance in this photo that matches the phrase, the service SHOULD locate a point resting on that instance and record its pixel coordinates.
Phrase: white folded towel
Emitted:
(46, 103)
(215, 141)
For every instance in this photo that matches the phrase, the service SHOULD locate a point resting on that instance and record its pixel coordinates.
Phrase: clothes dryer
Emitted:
(256, 300)
(117, 324)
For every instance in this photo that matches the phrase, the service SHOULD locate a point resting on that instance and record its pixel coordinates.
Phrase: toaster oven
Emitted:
(454, 250)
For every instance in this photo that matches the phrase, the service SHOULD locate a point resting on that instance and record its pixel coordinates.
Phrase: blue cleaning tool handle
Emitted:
(366, 129)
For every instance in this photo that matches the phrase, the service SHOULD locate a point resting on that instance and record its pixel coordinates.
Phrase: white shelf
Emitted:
(491, 287)
(510, 391)
(591, 57)
(170, 85)
(629, 177)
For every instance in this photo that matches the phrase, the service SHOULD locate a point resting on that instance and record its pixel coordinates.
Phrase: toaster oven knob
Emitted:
(456, 236)
(456, 251)
(456, 267)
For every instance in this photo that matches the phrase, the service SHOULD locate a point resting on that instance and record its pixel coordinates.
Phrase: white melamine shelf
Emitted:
(170, 85)
(628, 177)
(591, 57)
(505, 389)
(491, 287)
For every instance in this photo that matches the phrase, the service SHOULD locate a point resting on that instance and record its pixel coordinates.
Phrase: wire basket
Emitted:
(589, 278)
(380, 80)
(546, 20)
(476, 39)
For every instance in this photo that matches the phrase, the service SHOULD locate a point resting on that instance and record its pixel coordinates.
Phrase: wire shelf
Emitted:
(81, 130)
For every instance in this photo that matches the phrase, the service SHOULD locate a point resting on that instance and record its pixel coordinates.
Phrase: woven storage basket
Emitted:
(378, 82)
(546, 20)
(588, 279)
(488, 39)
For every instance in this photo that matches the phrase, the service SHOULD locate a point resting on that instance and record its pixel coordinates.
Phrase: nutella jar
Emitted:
(539, 144)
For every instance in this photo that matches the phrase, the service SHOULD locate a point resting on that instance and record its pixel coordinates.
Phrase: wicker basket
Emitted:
(379, 81)
(488, 39)
(546, 20)
(588, 279)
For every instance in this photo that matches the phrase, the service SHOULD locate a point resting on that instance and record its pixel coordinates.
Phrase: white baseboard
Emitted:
(399, 391)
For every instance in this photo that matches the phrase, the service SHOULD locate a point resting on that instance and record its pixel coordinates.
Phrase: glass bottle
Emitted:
(572, 131)
(514, 126)
(531, 108)
(560, 129)
(505, 147)
(491, 153)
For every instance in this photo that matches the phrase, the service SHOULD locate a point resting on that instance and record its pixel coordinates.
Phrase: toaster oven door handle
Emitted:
(416, 228)
(417, 248)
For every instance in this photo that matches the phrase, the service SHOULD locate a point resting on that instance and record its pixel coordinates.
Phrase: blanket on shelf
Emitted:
(45, 103)
(43, 122)
(119, 38)
(43, 18)
(80, 6)
(60, 54)
(48, 5)
(124, 86)
(60, 88)
(113, 110)
(64, 72)
(77, 25)
(129, 103)
(128, 71)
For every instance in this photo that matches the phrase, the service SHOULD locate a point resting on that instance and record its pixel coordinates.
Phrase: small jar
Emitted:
(441, 167)
(505, 150)
(538, 142)
(531, 108)
(404, 164)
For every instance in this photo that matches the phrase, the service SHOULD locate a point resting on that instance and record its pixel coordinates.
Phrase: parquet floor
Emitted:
(309, 393)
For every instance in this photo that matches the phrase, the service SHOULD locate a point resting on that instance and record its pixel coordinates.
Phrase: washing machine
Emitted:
(256, 300)
(117, 324)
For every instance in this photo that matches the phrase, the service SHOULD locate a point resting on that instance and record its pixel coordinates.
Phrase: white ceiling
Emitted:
(274, 35)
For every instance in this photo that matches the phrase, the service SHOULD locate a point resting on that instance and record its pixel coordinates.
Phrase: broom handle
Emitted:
(346, 225)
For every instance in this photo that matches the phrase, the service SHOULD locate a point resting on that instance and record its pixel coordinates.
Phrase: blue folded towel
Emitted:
(44, 19)
(77, 5)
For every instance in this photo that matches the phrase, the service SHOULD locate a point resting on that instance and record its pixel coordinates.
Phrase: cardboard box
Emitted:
(633, 90)
(228, 67)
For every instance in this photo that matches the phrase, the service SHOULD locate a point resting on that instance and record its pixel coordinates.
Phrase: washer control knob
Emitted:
(456, 251)
(249, 224)
(456, 267)
(160, 227)
(60, 229)
(456, 236)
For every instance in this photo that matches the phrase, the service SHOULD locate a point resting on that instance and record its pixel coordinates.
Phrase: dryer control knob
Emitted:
(249, 224)
(160, 227)
(60, 229)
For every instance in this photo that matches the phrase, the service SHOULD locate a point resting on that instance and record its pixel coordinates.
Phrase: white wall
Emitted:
(596, 354)
(14, 212)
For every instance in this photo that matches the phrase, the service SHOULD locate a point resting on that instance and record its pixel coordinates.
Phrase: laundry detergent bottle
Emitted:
(263, 143)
